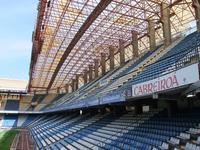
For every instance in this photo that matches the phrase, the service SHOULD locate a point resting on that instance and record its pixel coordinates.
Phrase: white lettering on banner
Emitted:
(178, 78)
(155, 86)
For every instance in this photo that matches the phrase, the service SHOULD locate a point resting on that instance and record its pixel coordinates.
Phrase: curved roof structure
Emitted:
(71, 34)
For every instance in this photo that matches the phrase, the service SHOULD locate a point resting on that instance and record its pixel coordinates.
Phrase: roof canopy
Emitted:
(71, 34)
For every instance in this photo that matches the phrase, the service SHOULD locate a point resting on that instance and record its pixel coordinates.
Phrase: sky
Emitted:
(17, 21)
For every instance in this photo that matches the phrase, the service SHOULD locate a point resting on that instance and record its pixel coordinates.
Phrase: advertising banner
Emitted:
(175, 79)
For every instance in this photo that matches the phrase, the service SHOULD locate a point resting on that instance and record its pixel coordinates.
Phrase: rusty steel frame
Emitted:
(71, 34)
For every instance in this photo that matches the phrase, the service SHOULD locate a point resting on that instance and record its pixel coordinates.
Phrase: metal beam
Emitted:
(37, 38)
(40, 18)
(91, 18)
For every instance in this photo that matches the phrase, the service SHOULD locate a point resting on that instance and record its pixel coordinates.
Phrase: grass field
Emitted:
(6, 138)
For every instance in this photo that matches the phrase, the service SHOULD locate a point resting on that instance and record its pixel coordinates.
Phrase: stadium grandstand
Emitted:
(108, 75)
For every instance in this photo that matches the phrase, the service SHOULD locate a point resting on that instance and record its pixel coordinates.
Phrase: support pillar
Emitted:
(72, 84)
(151, 34)
(196, 5)
(96, 68)
(121, 52)
(119, 109)
(76, 82)
(165, 19)
(138, 109)
(58, 90)
(93, 111)
(102, 110)
(67, 88)
(170, 106)
(135, 44)
(112, 62)
(85, 77)
(90, 72)
(103, 63)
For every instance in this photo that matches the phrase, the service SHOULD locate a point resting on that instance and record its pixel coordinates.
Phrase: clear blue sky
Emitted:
(17, 21)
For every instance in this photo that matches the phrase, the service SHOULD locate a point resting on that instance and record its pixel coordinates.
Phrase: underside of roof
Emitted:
(71, 34)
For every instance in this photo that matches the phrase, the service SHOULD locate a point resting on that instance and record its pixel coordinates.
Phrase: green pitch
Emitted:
(6, 138)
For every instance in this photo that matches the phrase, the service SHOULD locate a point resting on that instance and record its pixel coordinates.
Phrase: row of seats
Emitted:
(29, 120)
(186, 48)
(107, 131)
(188, 140)
(9, 121)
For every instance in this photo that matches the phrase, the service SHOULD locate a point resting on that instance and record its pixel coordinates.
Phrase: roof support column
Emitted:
(151, 34)
(135, 44)
(96, 68)
(112, 62)
(165, 19)
(76, 82)
(72, 84)
(196, 6)
(90, 72)
(67, 88)
(58, 90)
(85, 77)
(103, 63)
(121, 52)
